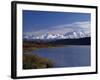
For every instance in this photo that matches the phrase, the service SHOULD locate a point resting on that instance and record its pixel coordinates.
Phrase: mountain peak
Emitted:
(67, 35)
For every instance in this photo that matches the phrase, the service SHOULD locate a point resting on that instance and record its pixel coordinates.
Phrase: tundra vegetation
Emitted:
(33, 61)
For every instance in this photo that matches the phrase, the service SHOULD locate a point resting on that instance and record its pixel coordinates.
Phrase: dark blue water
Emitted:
(68, 56)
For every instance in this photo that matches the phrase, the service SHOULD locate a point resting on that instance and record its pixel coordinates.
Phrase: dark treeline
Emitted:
(78, 41)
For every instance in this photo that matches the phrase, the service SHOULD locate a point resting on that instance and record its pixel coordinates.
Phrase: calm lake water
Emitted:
(67, 56)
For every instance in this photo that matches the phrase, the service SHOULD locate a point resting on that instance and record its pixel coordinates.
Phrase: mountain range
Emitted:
(67, 35)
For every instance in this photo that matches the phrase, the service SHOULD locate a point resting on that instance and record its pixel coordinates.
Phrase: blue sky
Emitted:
(43, 21)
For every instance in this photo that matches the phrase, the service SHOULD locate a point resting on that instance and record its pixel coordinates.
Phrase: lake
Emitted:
(67, 56)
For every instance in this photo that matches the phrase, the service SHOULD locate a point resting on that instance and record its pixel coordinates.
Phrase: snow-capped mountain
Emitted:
(68, 35)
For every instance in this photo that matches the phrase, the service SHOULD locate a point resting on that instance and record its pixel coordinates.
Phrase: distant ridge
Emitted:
(78, 41)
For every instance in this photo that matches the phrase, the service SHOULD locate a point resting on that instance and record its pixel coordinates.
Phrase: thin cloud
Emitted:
(61, 29)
